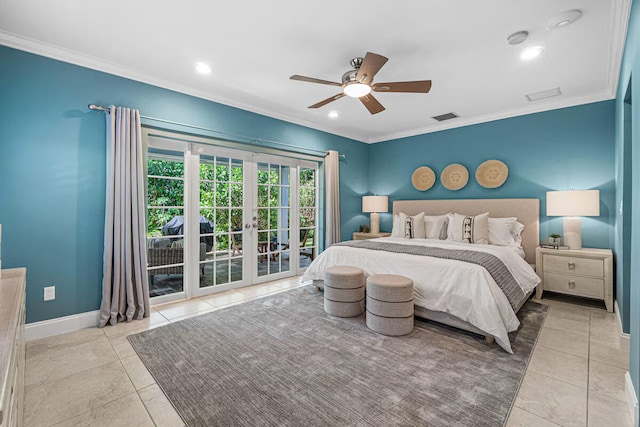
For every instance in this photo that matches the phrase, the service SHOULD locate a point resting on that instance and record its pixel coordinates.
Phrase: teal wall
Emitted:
(628, 178)
(554, 150)
(52, 168)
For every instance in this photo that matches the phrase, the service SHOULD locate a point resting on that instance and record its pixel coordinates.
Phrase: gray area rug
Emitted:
(282, 361)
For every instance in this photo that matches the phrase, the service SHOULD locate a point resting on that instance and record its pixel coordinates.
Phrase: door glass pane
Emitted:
(308, 209)
(273, 201)
(221, 184)
(165, 220)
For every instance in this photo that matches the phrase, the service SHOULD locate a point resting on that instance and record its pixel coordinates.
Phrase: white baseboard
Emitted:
(632, 400)
(61, 325)
(625, 339)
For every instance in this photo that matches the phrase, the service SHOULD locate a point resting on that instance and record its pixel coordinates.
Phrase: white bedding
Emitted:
(462, 289)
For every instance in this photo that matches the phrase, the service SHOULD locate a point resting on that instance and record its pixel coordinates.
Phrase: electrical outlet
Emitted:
(49, 293)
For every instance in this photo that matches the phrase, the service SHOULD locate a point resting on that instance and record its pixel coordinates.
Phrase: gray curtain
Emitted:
(125, 289)
(332, 198)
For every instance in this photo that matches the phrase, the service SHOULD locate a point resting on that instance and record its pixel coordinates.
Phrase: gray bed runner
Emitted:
(496, 268)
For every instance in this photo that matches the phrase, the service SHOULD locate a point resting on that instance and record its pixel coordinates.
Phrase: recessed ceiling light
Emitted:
(531, 52)
(564, 19)
(333, 114)
(203, 68)
(517, 38)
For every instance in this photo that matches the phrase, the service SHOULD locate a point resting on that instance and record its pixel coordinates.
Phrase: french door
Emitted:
(221, 218)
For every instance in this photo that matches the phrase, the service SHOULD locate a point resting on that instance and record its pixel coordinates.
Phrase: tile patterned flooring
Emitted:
(93, 377)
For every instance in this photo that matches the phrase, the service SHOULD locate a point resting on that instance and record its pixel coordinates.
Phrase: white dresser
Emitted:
(585, 273)
(12, 346)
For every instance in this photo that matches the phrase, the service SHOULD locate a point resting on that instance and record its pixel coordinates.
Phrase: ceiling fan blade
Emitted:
(372, 104)
(371, 64)
(326, 101)
(419, 86)
(312, 80)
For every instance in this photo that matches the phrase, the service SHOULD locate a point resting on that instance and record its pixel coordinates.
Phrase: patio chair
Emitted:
(163, 252)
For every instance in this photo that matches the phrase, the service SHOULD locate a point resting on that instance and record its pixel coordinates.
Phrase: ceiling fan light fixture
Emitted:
(357, 90)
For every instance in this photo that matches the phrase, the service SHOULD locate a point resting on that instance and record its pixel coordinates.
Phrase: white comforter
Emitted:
(462, 289)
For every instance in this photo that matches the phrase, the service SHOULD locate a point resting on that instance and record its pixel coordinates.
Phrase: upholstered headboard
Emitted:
(526, 210)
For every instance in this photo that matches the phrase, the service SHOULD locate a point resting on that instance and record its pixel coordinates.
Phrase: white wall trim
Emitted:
(632, 400)
(61, 325)
(625, 339)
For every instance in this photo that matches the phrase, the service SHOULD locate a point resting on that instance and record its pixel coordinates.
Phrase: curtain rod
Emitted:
(99, 108)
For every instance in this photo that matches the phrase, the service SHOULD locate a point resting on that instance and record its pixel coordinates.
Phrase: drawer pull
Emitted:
(572, 284)
(572, 266)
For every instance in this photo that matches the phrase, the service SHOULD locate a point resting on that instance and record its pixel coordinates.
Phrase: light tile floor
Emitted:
(93, 377)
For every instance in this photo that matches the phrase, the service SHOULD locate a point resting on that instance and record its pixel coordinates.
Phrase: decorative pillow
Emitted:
(433, 225)
(413, 226)
(470, 229)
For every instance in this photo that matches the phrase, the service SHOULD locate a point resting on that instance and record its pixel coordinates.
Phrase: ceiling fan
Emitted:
(358, 83)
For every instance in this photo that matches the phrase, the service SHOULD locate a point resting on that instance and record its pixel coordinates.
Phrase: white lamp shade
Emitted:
(375, 204)
(573, 203)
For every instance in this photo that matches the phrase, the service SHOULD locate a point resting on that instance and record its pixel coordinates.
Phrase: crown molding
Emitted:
(485, 118)
(619, 17)
(87, 61)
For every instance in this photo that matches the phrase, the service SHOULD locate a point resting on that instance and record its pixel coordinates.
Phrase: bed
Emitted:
(456, 293)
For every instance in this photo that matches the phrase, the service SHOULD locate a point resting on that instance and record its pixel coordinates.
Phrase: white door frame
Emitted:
(250, 160)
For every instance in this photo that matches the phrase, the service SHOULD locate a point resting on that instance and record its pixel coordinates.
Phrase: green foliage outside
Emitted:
(221, 197)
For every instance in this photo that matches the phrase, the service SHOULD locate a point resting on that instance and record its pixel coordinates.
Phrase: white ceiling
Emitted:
(254, 46)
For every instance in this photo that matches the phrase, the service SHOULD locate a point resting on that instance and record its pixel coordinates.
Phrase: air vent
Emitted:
(544, 94)
(446, 116)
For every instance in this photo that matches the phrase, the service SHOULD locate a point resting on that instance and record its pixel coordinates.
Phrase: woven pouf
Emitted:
(390, 304)
(344, 291)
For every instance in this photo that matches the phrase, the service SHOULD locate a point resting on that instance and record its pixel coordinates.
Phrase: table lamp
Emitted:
(572, 204)
(375, 205)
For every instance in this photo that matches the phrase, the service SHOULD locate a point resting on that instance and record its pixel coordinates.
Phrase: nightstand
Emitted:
(367, 236)
(585, 273)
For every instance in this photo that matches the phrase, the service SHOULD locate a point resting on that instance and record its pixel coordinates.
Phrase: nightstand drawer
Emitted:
(574, 265)
(575, 285)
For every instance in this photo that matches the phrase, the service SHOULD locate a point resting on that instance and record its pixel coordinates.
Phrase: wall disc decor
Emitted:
(454, 177)
(423, 178)
(492, 173)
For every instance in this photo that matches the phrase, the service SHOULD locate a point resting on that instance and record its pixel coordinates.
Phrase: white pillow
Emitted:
(413, 227)
(515, 230)
(396, 230)
(450, 217)
(433, 225)
(470, 229)
(501, 231)
(518, 228)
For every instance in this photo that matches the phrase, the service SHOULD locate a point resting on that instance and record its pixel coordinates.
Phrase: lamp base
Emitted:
(375, 223)
(572, 232)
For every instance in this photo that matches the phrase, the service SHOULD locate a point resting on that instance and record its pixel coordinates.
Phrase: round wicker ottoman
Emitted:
(344, 291)
(390, 304)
